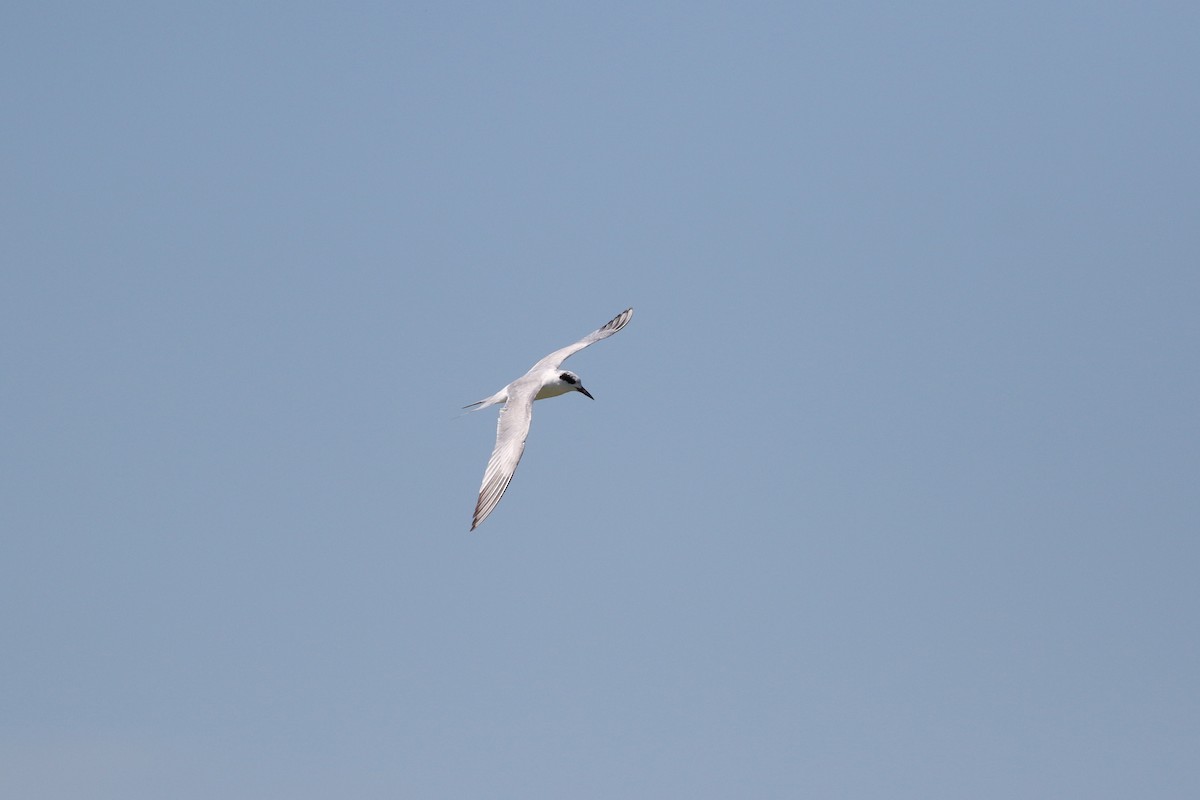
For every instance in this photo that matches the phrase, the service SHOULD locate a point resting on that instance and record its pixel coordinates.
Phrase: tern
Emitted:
(544, 379)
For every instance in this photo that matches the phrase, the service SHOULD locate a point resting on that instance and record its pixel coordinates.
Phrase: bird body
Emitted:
(544, 379)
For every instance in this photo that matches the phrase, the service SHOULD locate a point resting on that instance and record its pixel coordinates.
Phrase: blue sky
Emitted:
(889, 488)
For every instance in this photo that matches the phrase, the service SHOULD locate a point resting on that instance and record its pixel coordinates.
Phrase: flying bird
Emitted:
(544, 379)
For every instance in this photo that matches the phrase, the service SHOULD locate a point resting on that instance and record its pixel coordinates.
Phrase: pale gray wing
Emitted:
(558, 356)
(511, 431)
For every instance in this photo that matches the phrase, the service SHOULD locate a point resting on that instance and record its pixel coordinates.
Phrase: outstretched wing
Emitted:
(511, 431)
(558, 356)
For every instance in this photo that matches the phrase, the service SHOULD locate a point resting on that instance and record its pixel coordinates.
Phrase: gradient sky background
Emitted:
(890, 489)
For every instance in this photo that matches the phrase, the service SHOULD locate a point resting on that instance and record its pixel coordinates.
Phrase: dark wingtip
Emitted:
(620, 320)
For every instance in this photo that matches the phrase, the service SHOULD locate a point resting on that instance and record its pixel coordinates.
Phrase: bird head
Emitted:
(573, 382)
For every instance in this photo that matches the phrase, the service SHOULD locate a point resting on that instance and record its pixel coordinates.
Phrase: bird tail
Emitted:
(499, 397)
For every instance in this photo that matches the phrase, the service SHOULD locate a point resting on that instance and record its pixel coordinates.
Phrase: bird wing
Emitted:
(558, 356)
(511, 431)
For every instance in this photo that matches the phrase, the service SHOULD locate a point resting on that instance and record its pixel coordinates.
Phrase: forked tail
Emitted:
(499, 397)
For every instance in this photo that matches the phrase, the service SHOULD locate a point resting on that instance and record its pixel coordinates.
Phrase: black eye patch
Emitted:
(568, 379)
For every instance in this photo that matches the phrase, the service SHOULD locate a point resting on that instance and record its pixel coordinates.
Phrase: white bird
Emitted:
(544, 379)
